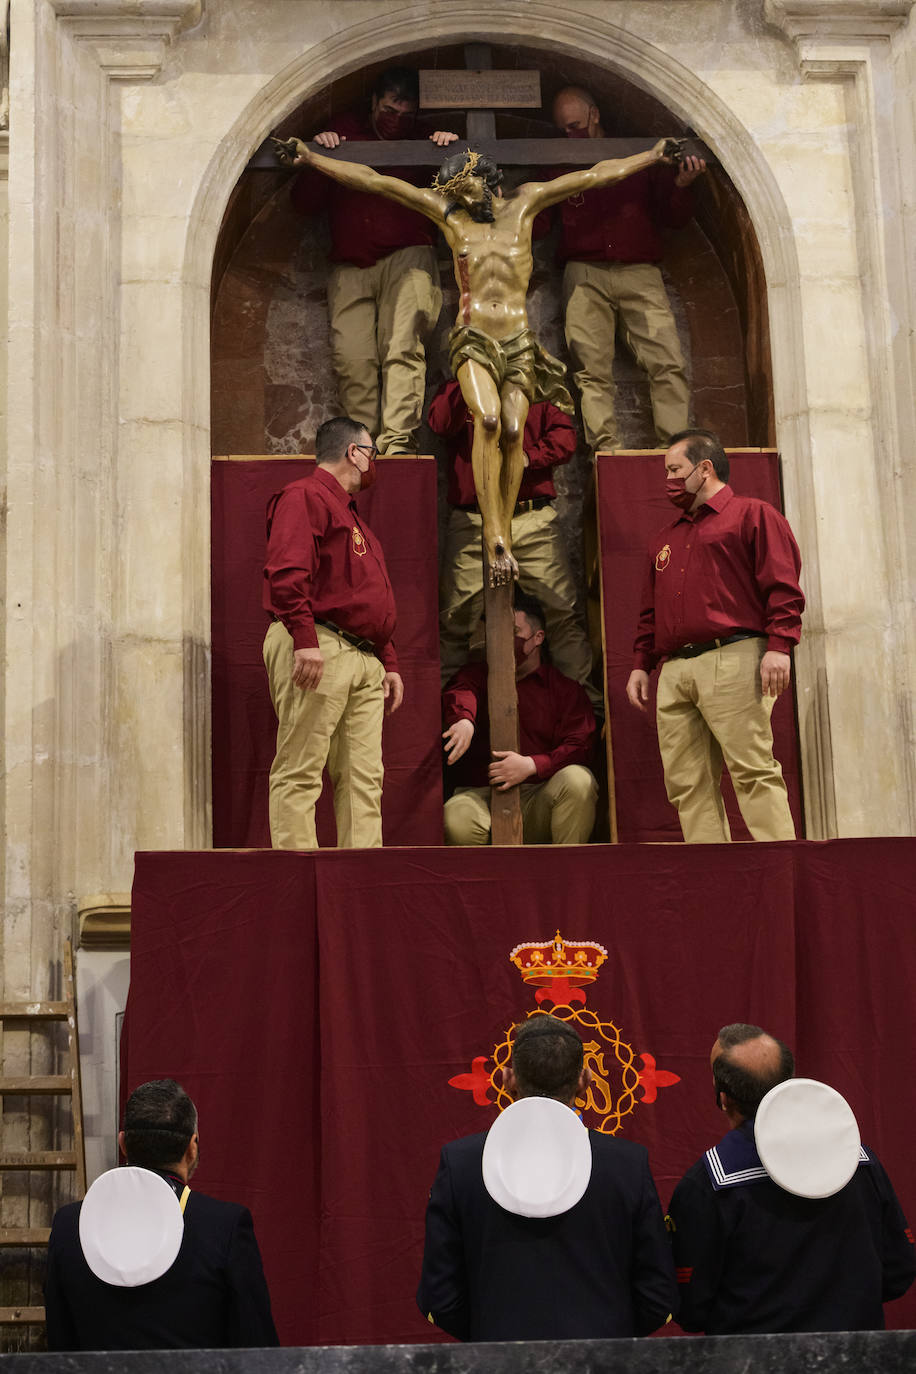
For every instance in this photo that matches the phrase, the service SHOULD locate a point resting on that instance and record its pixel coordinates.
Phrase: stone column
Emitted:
(73, 727)
(865, 514)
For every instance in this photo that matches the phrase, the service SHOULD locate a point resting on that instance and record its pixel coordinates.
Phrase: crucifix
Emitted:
(495, 357)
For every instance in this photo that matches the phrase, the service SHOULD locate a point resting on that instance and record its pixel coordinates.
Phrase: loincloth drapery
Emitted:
(517, 361)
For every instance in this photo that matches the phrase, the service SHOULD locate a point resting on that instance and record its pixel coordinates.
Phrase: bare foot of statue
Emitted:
(503, 567)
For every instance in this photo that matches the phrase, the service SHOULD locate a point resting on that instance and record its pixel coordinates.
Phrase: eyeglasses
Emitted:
(367, 448)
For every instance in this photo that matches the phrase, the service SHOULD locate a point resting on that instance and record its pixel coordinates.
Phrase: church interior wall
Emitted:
(130, 128)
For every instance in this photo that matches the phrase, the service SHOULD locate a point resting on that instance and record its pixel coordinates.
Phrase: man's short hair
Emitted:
(335, 436)
(547, 1058)
(401, 82)
(744, 1087)
(159, 1121)
(703, 443)
(531, 608)
(580, 92)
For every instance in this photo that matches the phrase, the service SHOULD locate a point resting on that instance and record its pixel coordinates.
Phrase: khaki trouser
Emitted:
(379, 318)
(709, 708)
(558, 811)
(599, 298)
(338, 724)
(543, 572)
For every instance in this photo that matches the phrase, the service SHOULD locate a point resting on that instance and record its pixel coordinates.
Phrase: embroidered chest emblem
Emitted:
(359, 543)
(663, 558)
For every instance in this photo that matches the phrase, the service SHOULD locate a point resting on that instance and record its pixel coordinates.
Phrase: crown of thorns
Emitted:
(461, 180)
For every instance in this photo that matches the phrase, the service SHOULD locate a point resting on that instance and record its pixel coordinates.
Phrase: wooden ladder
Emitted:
(44, 1085)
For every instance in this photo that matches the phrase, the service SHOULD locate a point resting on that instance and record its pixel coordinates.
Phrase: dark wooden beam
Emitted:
(502, 698)
(508, 152)
(481, 124)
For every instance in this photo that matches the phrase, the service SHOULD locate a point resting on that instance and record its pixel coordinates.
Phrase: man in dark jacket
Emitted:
(601, 1268)
(214, 1294)
(753, 1257)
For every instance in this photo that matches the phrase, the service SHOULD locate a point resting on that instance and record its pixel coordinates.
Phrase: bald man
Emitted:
(751, 1257)
(611, 242)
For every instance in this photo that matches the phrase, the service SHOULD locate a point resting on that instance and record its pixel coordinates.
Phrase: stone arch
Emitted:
(633, 58)
(689, 98)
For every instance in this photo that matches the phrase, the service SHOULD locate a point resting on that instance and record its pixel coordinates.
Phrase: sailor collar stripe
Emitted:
(721, 1176)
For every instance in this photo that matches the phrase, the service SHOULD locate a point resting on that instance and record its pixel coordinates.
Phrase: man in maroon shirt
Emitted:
(537, 543)
(328, 650)
(722, 607)
(383, 288)
(610, 245)
(556, 739)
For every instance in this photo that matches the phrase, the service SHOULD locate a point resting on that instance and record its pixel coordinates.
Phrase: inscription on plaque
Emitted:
(479, 90)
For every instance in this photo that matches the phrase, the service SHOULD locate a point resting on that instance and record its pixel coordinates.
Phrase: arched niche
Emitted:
(270, 374)
(743, 232)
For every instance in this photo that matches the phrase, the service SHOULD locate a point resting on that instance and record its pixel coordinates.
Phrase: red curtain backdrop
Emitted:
(632, 507)
(401, 510)
(316, 1006)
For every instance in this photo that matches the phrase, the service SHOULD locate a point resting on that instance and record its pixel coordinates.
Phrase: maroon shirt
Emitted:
(550, 439)
(622, 222)
(556, 724)
(323, 563)
(364, 227)
(731, 565)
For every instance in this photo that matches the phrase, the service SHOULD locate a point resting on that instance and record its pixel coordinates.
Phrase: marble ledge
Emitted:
(104, 921)
(865, 1352)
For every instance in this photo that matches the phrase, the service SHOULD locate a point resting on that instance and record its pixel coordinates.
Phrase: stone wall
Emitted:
(131, 125)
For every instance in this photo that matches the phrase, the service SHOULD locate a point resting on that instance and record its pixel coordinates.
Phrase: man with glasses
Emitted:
(329, 655)
(556, 738)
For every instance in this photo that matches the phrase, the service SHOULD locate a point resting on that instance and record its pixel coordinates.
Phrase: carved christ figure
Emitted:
(495, 357)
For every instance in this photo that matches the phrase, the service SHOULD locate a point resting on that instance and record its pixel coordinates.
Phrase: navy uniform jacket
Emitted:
(213, 1296)
(754, 1258)
(603, 1268)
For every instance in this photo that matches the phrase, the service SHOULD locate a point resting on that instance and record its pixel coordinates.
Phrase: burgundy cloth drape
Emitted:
(317, 1005)
(632, 507)
(401, 510)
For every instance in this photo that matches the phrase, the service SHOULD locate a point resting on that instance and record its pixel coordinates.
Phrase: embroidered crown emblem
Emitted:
(542, 962)
(557, 969)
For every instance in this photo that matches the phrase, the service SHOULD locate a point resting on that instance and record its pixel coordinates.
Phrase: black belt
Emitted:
(365, 646)
(694, 650)
(536, 503)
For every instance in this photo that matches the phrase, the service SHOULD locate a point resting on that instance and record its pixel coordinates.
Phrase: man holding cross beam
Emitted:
(383, 282)
(495, 356)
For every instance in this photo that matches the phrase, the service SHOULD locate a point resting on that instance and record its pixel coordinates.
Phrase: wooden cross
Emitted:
(480, 91)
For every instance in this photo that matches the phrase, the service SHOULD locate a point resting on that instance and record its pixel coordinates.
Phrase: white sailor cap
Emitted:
(807, 1138)
(537, 1158)
(131, 1225)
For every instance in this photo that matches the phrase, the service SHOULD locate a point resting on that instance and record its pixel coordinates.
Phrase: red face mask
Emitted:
(677, 493)
(392, 124)
(367, 478)
(577, 133)
(520, 648)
